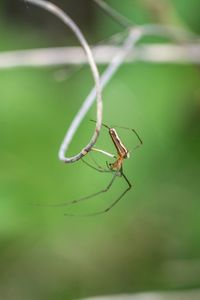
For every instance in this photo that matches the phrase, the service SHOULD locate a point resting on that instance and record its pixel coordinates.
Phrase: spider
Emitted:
(116, 168)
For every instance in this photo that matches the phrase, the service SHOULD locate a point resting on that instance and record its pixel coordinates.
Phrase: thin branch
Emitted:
(175, 33)
(168, 53)
(115, 15)
(170, 295)
(118, 59)
(47, 57)
(75, 123)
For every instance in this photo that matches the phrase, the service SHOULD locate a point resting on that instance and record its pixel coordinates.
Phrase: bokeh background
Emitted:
(151, 239)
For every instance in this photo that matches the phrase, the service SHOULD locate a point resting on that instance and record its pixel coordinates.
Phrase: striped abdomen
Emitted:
(121, 149)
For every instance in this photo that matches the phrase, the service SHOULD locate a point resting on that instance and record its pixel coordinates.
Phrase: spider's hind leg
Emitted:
(105, 190)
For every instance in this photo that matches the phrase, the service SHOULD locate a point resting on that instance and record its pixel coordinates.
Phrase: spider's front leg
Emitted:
(99, 168)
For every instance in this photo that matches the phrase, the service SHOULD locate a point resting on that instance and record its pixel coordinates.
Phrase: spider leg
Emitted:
(97, 164)
(140, 140)
(104, 152)
(134, 131)
(112, 204)
(126, 128)
(99, 168)
(104, 125)
(86, 197)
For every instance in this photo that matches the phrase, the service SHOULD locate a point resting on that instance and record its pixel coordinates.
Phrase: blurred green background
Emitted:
(151, 239)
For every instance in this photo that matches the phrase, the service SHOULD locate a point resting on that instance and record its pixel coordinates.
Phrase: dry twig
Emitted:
(156, 53)
(70, 23)
(176, 295)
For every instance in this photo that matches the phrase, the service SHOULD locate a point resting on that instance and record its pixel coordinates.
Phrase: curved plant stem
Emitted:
(70, 23)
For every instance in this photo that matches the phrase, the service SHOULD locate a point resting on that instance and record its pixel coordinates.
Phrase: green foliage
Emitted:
(45, 255)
